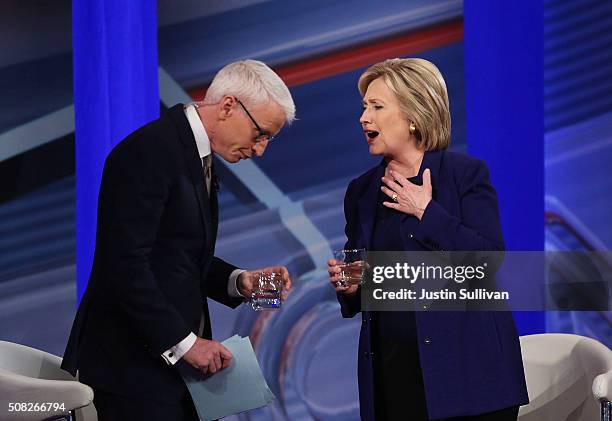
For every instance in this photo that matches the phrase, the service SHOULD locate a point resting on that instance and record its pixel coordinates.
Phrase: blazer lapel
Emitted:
(432, 161)
(194, 164)
(367, 205)
(214, 208)
(199, 184)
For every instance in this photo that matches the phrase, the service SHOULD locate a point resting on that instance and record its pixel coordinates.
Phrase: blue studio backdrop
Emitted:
(115, 92)
(504, 77)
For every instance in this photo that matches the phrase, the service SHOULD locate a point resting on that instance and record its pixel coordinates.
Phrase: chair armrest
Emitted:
(602, 386)
(15, 388)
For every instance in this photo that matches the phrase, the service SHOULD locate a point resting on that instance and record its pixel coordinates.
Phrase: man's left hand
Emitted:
(247, 280)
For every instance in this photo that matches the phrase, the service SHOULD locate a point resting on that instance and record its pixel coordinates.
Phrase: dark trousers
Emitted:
(112, 407)
(397, 399)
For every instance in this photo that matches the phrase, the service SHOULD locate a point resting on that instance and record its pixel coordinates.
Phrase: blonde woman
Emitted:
(425, 365)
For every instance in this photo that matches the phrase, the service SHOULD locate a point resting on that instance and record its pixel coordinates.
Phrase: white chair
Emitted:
(30, 376)
(569, 378)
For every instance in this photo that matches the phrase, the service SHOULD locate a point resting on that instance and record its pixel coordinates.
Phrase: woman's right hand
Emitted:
(334, 276)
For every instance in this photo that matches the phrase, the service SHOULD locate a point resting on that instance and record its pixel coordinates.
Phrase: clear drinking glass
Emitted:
(352, 263)
(267, 291)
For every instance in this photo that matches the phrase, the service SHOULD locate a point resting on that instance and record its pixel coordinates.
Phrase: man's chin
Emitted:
(231, 158)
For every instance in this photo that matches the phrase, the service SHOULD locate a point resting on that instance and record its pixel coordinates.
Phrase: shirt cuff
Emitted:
(177, 351)
(232, 284)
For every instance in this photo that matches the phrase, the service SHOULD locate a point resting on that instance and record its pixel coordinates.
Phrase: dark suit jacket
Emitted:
(471, 361)
(153, 266)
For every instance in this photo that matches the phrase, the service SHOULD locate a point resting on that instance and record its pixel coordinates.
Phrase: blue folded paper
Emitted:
(238, 388)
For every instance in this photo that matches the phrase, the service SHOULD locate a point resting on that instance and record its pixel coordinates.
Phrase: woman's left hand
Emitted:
(407, 197)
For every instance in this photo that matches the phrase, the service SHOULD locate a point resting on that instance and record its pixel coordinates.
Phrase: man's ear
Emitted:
(226, 107)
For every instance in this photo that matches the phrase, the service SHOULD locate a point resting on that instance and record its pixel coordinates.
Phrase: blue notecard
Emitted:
(238, 388)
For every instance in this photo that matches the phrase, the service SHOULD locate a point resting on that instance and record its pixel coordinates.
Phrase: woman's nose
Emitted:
(365, 117)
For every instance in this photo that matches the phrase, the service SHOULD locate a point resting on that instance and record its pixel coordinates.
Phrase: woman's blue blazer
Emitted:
(471, 360)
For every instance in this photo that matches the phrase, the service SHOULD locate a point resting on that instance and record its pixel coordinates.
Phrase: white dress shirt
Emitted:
(175, 353)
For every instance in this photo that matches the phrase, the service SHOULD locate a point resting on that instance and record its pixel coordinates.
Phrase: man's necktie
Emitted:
(207, 165)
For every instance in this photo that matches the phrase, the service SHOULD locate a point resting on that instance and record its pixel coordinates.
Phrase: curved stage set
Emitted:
(286, 207)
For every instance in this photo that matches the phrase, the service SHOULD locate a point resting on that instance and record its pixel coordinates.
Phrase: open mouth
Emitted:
(371, 134)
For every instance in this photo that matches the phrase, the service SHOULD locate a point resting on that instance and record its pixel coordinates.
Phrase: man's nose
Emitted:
(260, 147)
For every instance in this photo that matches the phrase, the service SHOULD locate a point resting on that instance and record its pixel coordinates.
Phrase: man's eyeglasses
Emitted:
(263, 135)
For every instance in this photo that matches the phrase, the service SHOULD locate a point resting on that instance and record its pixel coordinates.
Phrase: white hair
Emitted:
(253, 83)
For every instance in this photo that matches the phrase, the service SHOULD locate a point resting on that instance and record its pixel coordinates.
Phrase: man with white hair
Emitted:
(145, 306)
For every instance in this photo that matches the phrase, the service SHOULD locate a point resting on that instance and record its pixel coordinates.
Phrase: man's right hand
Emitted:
(208, 356)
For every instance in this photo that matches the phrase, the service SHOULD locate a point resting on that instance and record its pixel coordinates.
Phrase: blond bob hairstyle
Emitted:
(421, 91)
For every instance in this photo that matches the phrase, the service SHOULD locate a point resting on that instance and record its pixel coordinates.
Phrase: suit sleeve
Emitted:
(479, 227)
(350, 305)
(135, 187)
(215, 284)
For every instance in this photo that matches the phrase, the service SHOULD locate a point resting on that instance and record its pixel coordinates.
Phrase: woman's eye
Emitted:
(376, 107)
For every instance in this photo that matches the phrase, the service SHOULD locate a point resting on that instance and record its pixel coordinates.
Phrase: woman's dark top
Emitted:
(397, 373)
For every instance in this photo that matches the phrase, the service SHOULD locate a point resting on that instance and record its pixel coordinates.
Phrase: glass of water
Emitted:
(352, 264)
(267, 290)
